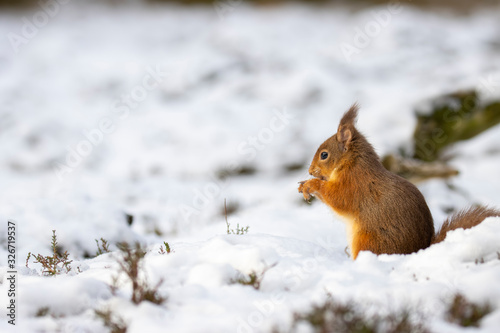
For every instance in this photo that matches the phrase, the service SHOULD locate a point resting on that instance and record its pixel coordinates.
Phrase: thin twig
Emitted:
(225, 214)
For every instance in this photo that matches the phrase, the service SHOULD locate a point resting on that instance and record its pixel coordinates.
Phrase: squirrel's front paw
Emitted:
(307, 188)
(301, 185)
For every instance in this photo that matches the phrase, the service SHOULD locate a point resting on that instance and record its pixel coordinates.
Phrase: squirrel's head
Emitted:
(337, 149)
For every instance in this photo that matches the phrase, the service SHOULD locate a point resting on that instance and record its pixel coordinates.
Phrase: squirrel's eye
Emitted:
(324, 155)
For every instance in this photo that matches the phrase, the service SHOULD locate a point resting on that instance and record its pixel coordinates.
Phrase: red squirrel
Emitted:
(384, 212)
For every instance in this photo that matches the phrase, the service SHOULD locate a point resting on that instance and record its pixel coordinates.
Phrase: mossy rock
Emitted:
(454, 117)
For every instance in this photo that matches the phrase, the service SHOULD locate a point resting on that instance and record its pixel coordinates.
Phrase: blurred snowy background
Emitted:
(134, 121)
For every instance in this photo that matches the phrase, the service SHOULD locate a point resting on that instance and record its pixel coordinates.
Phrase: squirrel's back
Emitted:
(397, 216)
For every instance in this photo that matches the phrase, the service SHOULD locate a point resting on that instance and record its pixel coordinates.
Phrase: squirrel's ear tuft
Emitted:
(346, 127)
(350, 116)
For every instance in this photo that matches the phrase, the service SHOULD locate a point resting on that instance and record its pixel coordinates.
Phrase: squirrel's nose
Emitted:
(311, 170)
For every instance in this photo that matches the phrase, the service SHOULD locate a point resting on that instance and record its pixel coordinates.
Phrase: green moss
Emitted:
(454, 117)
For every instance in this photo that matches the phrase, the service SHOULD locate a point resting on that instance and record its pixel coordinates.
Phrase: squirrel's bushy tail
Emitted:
(464, 219)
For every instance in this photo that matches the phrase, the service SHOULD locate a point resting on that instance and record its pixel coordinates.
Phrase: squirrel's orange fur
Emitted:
(384, 212)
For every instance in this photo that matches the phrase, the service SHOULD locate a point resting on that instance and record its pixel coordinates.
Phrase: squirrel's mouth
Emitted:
(316, 174)
(320, 177)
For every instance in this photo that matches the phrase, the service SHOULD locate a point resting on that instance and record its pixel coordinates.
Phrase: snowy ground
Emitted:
(110, 111)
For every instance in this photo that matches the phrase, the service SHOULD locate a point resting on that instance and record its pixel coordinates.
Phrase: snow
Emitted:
(262, 88)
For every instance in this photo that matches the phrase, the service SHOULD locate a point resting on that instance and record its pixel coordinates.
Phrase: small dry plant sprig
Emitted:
(103, 248)
(238, 231)
(167, 249)
(130, 264)
(253, 279)
(114, 323)
(334, 316)
(55, 264)
(465, 313)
